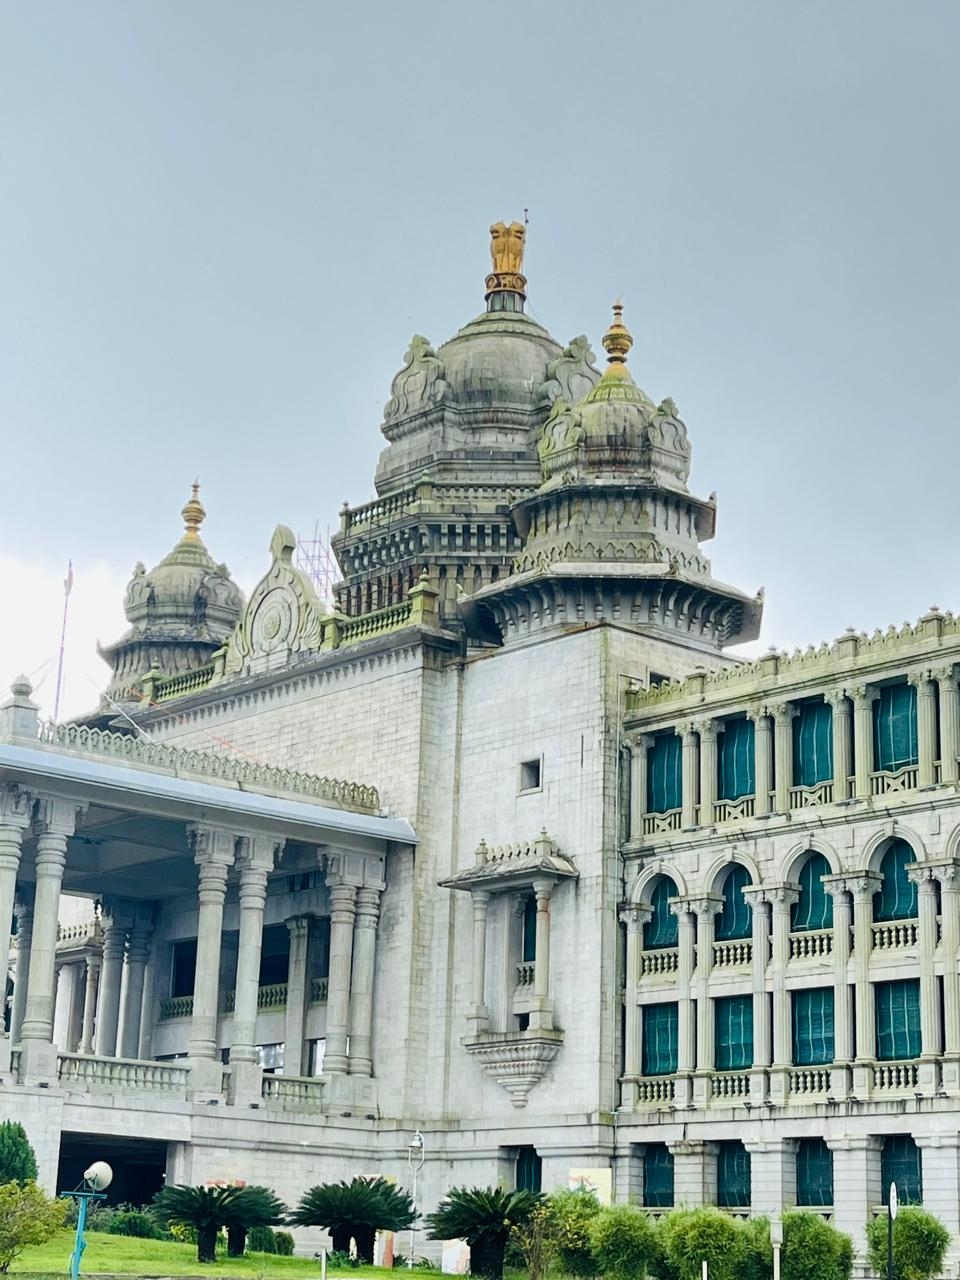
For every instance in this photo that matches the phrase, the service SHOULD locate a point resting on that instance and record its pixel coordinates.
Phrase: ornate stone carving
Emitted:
(572, 374)
(560, 438)
(507, 245)
(284, 617)
(420, 384)
(516, 1060)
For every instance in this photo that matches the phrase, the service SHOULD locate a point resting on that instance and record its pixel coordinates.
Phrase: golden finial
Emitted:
(193, 514)
(617, 340)
(506, 252)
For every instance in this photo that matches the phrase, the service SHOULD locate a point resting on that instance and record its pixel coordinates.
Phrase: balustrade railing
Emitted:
(808, 797)
(111, 1074)
(662, 960)
(180, 686)
(734, 810)
(654, 1089)
(894, 935)
(731, 1084)
(375, 624)
(885, 781)
(176, 1007)
(810, 1080)
(271, 997)
(78, 935)
(15, 1064)
(526, 973)
(814, 944)
(293, 1093)
(736, 952)
(318, 991)
(655, 824)
(896, 1077)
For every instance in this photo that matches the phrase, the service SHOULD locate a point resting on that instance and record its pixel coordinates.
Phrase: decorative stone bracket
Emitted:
(517, 1060)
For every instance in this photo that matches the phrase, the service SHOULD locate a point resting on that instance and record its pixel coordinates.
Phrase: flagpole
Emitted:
(67, 588)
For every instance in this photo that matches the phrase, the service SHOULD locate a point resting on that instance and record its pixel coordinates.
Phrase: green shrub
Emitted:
(262, 1240)
(132, 1222)
(27, 1216)
(569, 1218)
(688, 1236)
(814, 1250)
(919, 1243)
(17, 1161)
(400, 1260)
(338, 1259)
(623, 1241)
(284, 1242)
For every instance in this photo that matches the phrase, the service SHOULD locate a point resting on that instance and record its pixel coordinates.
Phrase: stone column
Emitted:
(781, 897)
(940, 1171)
(138, 954)
(837, 699)
(541, 1015)
(90, 986)
(15, 809)
(759, 959)
(343, 909)
(214, 853)
(863, 887)
(863, 700)
(57, 822)
(62, 1002)
(856, 1183)
(926, 727)
(763, 761)
(255, 860)
(690, 773)
(949, 876)
(694, 1172)
(708, 769)
(298, 995)
(479, 1015)
(361, 982)
(640, 744)
(838, 889)
(115, 926)
(24, 911)
(946, 678)
(706, 908)
(784, 714)
(773, 1174)
(634, 916)
(931, 1031)
(686, 1009)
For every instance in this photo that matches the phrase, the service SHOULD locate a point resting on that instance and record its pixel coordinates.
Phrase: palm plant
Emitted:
(206, 1209)
(355, 1210)
(254, 1207)
(483, 1216)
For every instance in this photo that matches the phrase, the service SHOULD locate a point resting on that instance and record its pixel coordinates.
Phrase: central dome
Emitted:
(498, 359)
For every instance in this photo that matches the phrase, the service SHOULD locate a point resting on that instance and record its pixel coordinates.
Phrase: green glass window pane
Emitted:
(900, 1163)
(814, 1173)
(895, 727)
(814, 909)
(733, 1022)
(897, 898)
(898, 1019)
(657, 1177)
(659, 1031)
(661, 929)
(812, 1012)
(529, 929)
(733, 1176)
(735, 760)
(664, 774)
(734, 919)
(529, 1169)
(813, 744)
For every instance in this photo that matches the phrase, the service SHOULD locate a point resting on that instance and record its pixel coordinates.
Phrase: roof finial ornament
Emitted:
(618, 340)
(193, 514)
(506, 284)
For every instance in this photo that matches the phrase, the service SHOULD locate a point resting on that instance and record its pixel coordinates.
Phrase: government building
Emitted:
(505, 846)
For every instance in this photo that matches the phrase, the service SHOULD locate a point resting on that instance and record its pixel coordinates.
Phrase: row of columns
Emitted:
(770, 955)
(938, 701)
(541, 1009)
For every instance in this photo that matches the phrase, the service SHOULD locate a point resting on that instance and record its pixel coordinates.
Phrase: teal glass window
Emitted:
(735, 759)
(814, 908)
(657, 1176)
(529, 950)
(812, 1012)
(897, 896)
(900, 1163)
(661, 929)
(733, 1176)
(734, 918)
(814, 1174)
(664, 773)
(733, 1021)
(659, 1030)
(812, 744)
(898, 1019)
(529, 1169)
(895, 727)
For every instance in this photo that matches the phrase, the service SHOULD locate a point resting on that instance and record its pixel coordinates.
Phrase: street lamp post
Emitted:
(892, 1207)
(776, 1239)
(415, 1161)
(96, 1179)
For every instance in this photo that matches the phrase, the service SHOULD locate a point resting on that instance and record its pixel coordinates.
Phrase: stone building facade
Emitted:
(607, 903)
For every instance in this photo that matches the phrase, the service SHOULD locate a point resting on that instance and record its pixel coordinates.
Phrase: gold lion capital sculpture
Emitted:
(506, 246)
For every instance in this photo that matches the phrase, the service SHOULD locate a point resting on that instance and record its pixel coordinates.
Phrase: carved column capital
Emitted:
(863, 884)
(707, 729)
(56, 817)
(945, 674)
(705, 904)
(836, 886)
(638, 740)
(687, 730)
(758, 716)
(782, 896)
(16, 807)
(921, 681)
(756, 895)
(783, 712)
(213, 846)
(836, 698)
(635, 915)
(863, 696)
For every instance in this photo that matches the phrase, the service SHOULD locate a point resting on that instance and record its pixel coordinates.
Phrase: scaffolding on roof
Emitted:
(314, 558)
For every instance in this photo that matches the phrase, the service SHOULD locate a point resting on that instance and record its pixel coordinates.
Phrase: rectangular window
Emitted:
(529, 1169)
(813, 744)
(814, 1173)
(898, 1019)
(275, 955)
(812, 1026)
(270, 1057)
(657, 1176)
(734, 1032)
(664, 774)
(659, 1026)
(900, 1163)
(735, 760)
(895, 727)
(733, 1176)
(184, 972)
(530, 775)
(528, 949)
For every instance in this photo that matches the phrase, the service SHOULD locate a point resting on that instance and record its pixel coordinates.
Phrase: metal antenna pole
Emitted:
(67, 588)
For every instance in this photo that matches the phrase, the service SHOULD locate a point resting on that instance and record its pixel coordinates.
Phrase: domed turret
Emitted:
(181, 612)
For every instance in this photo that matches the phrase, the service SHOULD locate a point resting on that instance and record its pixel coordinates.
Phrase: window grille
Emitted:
(529, 1169)
(657, 1176)
(734, 919)
(735, 760)
(659, 1056)
(814, 1173)
(812, 1026)
(814, 909)
(661, 929)
(813, 744)
(665, 774)
(897, 896)
(733, 1176)
(733, 1021)
(898, 1019)
(895, 727)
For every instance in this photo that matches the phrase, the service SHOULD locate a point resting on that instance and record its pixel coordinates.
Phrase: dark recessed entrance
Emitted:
(138, 1165)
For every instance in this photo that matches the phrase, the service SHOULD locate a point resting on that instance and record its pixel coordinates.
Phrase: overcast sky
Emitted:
(221, 222)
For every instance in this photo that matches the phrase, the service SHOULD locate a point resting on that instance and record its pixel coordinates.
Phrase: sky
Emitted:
(220, 223)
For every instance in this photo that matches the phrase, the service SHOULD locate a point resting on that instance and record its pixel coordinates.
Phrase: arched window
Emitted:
(814, 910)
(661, 929)
(896, 898)
(734, 920)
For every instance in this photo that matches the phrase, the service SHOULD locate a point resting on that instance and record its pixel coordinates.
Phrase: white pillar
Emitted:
(57, 822)
(694, 1172)
(255, 859)
(298, 995)
(634, 917)
(15, 807)
(863, 700)
(214, 853)
(856, 1183)
(839, 890)
(541, 1015)
(115, 926)
(361, 982)
(686, 1009)
(343, 907)
(479, 1015)
(783, 716)
(863, 887)
(759, 959)
(781, 897)
(926, 727)
(930, 1029)
(940, 1172)
(837, 700)
(138, 954)
(763, 761)
(24, 910)
(91, 983)
(639, 744)
(689, 774)
(946, 678)
(707, 909)
(949, 876)
(708, 769)
(773, 1174)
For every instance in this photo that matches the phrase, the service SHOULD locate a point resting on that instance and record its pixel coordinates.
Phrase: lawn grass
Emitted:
(123, 1255)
